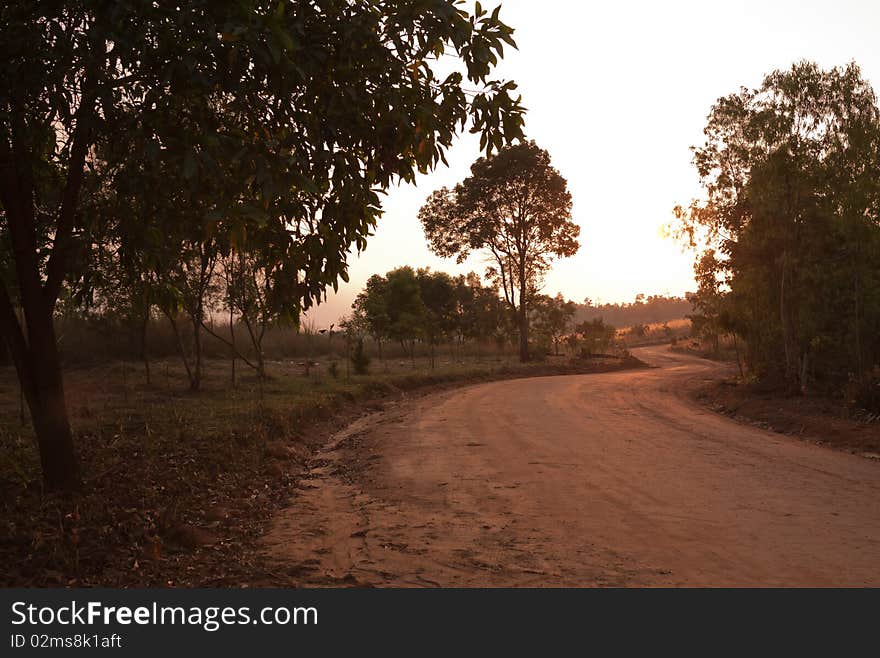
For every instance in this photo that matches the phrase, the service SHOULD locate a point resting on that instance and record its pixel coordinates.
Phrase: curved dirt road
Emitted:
(607, 479)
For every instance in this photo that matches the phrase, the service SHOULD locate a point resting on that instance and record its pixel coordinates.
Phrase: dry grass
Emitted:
(177, 484)
(656, 333)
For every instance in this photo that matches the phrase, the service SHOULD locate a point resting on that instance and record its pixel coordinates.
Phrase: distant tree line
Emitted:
(649, 309)
(421, 308)
(408, 307)
(791, 229)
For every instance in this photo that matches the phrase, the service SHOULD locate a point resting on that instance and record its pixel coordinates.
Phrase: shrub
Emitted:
(638, 330)
(360, 360)
(864, 392)
(595, 336)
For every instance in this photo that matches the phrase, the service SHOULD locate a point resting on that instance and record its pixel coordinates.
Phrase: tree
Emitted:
(437, 292)
(316, 107)
(406, 310)
(595, 335)
(515, 207)
(655, 308)
(481, 315)
(251, 283)
(792, 177)
(552, 317)
(708, 299)
(370, 309)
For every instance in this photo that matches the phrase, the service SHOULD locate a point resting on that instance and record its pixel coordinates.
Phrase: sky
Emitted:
(617, 93)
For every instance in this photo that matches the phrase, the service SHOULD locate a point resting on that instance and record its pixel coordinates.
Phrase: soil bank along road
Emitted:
(605, 479)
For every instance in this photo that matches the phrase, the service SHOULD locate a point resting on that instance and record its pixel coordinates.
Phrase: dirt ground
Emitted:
(178, 486)
(617, 479)
(811, 418)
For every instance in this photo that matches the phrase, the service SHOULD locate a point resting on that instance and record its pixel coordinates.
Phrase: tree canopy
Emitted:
(516, 208)
(272, 127)
(792, 178)
(407, 305)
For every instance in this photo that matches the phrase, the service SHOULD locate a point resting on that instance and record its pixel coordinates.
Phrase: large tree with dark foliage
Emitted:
(516, 207)
(277, 123)
(792, 175)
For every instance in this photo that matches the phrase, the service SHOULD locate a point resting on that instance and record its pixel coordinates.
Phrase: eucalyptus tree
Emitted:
(516, 208)
(437, 292)
(316, 106)
(792, 178)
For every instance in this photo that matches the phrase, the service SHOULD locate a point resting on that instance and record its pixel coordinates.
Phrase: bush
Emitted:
(538, 351)
(864, 392)
(595, 336)
(638, 330)
(360, 360)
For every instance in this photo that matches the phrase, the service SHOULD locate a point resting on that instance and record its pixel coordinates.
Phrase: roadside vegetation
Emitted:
(148, 148)
(182, 184)
(182, 483)
(791, 228)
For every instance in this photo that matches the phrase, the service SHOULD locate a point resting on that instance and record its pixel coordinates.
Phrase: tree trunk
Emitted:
(523, 313)
(232, 343)
(783, 320)
(738, 360)
(196, 381)
(261, 363)
(38, 366)
(257, 344)
(49, 413)
(804, 373)
(181, 350)
(858, 323)
(144, 355)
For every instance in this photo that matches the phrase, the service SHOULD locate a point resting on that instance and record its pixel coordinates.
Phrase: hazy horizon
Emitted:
(618, 102)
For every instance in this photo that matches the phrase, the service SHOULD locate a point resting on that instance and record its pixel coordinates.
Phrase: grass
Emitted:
(656, 333)
(178, 484)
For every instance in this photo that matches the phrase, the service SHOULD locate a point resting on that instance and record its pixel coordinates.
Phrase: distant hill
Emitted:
(644, 310)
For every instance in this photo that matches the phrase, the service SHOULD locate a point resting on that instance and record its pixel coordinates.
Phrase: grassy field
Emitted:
(178, 483)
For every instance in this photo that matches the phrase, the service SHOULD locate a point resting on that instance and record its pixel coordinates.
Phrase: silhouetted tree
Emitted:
(552, 317)
(792, 175)
(648, 310)
(595, 336)
(481, 312)
(708, 299)
(370, 310)
(437, 292)
(314, 107)
(406, 310)
(516, 207)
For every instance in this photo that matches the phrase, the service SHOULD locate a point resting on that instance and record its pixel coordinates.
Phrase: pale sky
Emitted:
(617, 92)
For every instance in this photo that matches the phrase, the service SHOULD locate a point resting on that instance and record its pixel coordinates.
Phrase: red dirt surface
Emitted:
(611, 479)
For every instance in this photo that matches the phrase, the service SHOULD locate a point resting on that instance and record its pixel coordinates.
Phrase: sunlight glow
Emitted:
(617, 93)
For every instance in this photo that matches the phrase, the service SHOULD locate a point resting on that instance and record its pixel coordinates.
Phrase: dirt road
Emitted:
(611, 479)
